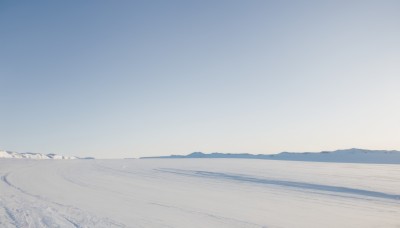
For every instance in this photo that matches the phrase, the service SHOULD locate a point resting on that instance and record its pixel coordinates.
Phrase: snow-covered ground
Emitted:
(197, 193)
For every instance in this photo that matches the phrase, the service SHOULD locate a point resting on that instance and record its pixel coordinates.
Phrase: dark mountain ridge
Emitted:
(353, 155)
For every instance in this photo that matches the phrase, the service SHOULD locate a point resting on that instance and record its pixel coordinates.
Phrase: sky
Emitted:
(122, 79)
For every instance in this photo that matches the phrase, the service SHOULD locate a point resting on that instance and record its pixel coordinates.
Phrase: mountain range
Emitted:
(353, 155)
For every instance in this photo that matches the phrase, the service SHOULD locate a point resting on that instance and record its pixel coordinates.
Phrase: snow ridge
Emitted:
(28, 155)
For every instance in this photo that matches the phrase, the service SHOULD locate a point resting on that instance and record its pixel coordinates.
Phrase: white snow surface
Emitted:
(197, 193)
(11, 154)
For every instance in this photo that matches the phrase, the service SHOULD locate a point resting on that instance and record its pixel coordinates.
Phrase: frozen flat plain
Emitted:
(197, 193)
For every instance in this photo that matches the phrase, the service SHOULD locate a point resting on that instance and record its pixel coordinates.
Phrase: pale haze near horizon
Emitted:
(115, 79)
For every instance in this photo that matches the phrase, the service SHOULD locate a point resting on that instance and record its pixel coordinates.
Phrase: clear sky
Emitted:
(115, 79)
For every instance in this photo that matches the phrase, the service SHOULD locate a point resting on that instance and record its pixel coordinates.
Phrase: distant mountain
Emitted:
(353, 155)
(10, 154)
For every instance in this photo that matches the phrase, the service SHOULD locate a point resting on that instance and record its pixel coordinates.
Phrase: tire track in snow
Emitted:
(332, 190)
(30, 210)
(10, 215)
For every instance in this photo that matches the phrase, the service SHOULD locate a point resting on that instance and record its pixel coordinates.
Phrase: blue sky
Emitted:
(115, 79)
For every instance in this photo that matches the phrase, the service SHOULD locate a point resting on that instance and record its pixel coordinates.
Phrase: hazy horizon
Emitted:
(218, 152)
(133, 79)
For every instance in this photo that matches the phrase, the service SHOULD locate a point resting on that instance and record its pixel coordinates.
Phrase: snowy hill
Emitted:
(10, 154)
(353, 155)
